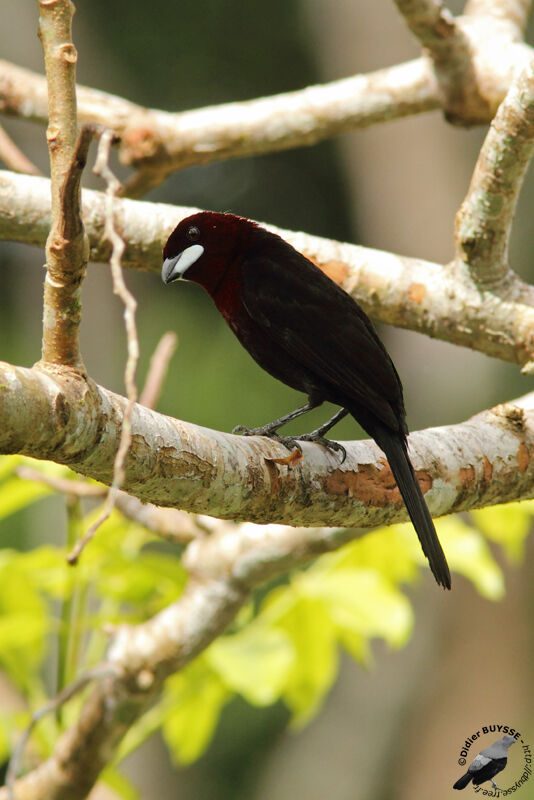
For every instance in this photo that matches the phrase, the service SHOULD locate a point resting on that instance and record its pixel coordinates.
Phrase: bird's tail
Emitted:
(397, 454)
(462, 782)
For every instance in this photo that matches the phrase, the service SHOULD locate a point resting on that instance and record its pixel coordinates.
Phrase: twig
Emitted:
(484, 220)
(130, 305)
(175, 526)
(158, 369)
(102, 671)
(13, 157)
(67, 245)
(435, 27)
(63, 485)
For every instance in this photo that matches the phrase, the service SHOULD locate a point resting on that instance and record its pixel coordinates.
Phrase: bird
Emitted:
(487, 764)
(306, 331)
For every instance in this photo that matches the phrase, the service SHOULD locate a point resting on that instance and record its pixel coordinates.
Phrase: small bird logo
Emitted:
(487, 764)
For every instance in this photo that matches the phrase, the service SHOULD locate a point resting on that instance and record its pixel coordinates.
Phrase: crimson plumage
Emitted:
(303, 329)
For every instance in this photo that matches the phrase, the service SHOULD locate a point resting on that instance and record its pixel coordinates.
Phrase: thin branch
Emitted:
(67, 248)
(435, 27)
(484, 220)
(175, 526)
(158, 369)
(13, 157)
(102, 671)
(63, 485)
(406, 292)
(158, 142)
(130, 306)
(453, 48)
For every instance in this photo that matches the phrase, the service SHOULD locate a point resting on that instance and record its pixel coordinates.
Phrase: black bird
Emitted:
(487, 764)
(303, 329)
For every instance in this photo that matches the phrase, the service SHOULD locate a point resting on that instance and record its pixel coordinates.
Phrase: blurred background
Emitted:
(396, 730)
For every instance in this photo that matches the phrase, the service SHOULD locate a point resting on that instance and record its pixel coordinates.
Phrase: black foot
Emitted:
(288, 441)
(266, 430)
(292, 441)
(315, 436)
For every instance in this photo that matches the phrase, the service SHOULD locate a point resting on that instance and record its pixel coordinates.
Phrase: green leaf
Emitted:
(47, 569)
(8, 730)
(507, 525)
(16, 493)
(120, 784)
(255, 662)
(196, 697)
(468, 554)
(8, 464)
(388, 550)
(311, 630)
(142, 729)
(362, 602)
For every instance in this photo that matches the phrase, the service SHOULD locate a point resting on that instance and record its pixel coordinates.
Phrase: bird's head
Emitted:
(508, 740)
(203, 246)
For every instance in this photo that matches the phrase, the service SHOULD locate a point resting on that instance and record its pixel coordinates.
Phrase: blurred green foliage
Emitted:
(284, 647)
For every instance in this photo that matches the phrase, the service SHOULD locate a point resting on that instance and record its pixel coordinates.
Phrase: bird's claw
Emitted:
(328, 443)
(265, 431)
(292, 442)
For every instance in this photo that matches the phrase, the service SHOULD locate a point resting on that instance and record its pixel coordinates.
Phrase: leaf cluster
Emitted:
(284, 646)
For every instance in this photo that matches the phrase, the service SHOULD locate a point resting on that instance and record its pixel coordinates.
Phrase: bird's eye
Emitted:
(193, 233)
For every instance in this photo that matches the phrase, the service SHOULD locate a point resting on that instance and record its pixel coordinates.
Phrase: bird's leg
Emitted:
(494, 785)
(271, 428)
(318, 435)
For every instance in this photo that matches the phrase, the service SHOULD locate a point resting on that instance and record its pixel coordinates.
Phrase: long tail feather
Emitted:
(462, 782)
(403, 471)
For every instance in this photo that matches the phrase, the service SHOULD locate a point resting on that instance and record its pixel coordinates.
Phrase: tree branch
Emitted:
(513, 11)
(177, 464)
(435, 27)
(475, 60)
(406, 292)
(66, 248)
(228, 564)
(478, 57)
(161, 142)
(130, 307)
(484, 220)
(13, 157)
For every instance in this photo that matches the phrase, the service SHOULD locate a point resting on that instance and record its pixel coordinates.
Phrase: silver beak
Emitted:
(175, 268)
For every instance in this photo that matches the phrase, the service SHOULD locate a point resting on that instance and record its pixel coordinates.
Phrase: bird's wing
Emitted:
(478, 763)
(322, 328)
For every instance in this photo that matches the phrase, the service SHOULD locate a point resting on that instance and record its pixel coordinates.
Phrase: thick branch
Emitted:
(512, 11)
(66, 248)
(484, 220)
(479, 462)
(406, 292)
